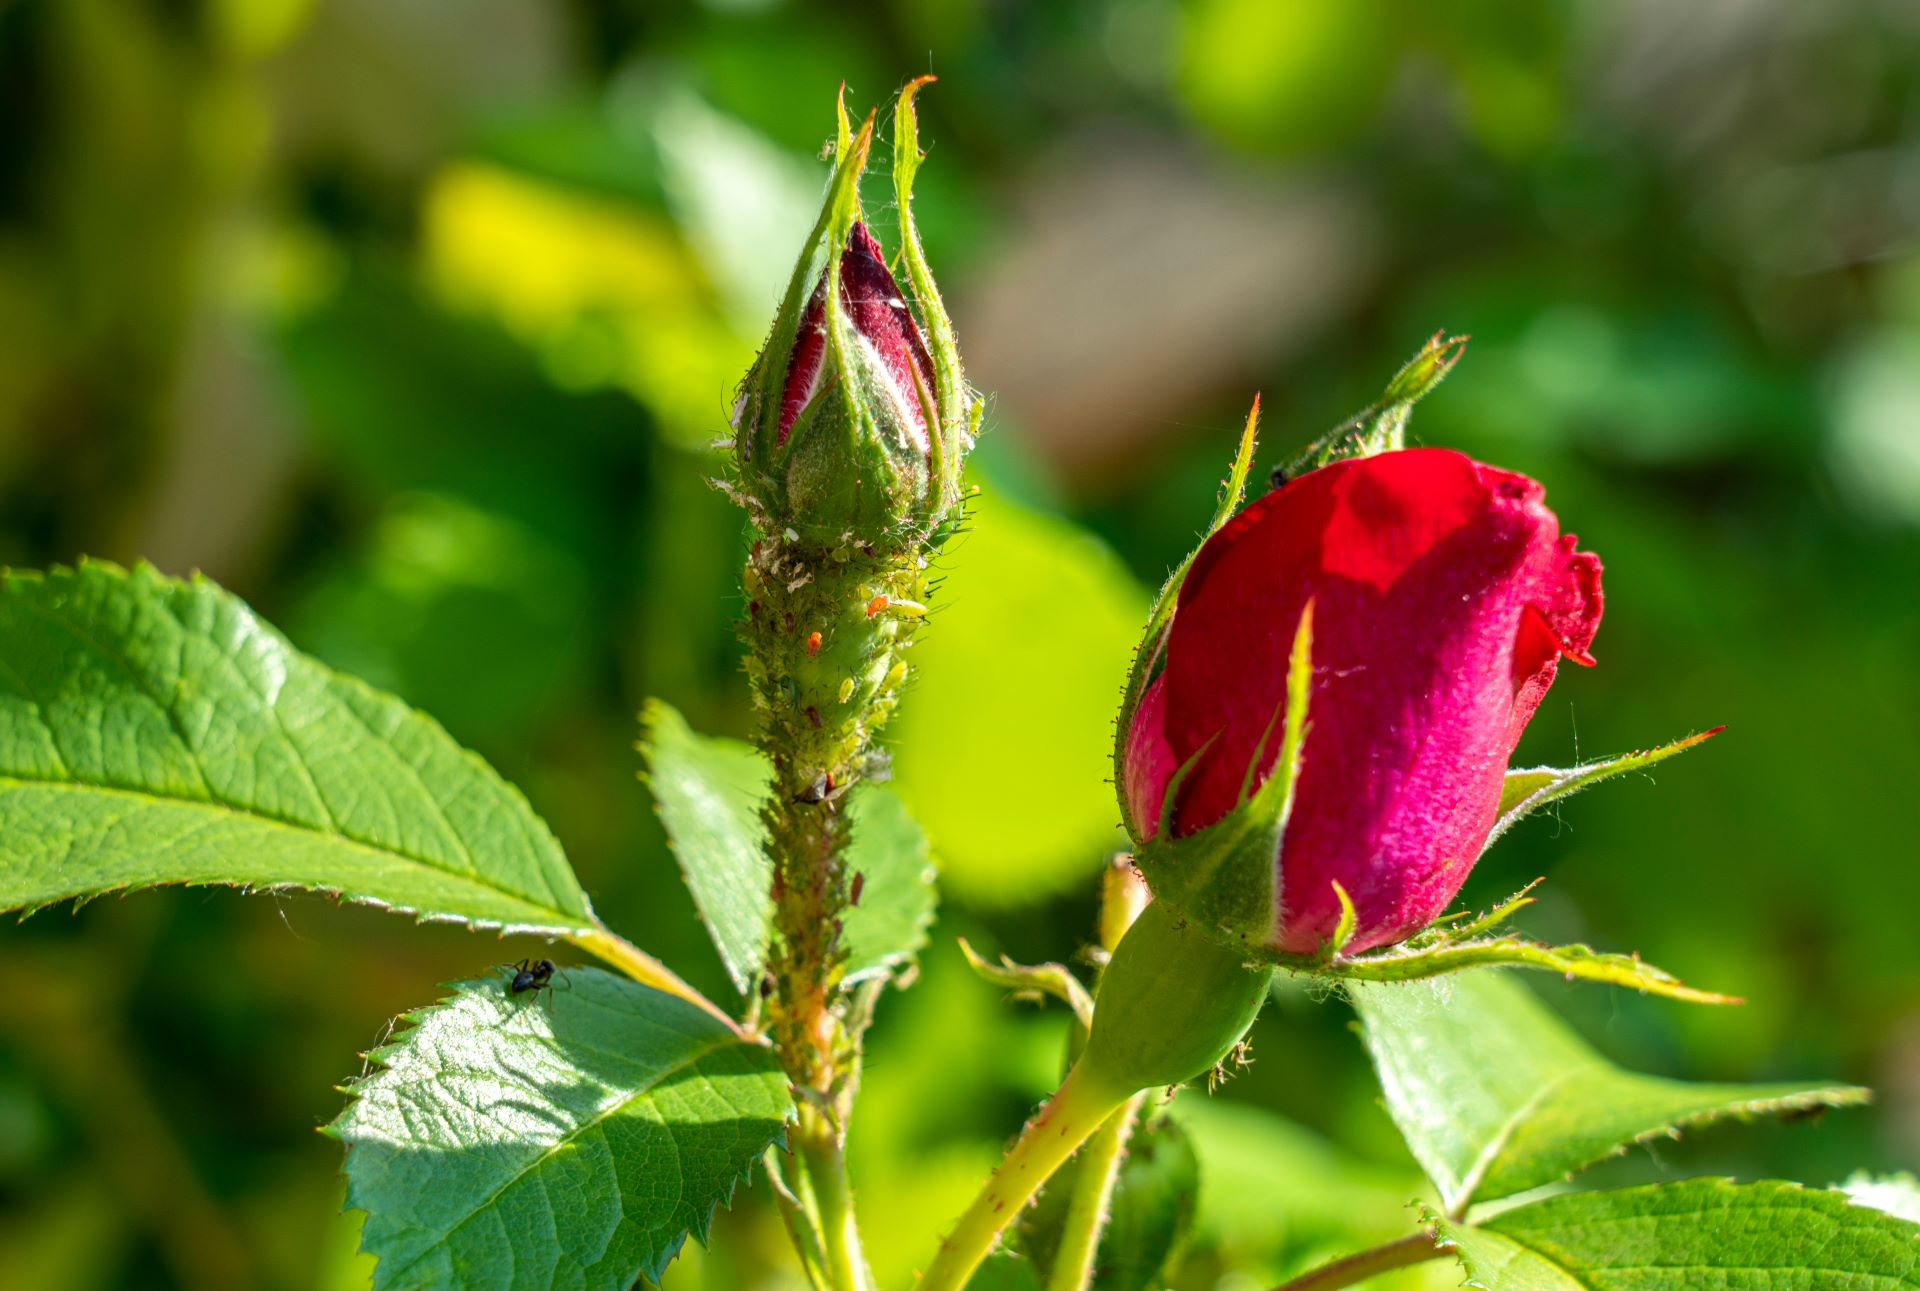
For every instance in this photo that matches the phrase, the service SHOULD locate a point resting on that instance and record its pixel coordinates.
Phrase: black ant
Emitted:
(534, 975)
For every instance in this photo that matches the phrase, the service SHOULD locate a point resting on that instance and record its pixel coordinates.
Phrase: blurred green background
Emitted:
(413, 322)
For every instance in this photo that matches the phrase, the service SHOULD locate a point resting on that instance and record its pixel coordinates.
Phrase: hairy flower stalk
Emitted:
(849, 437)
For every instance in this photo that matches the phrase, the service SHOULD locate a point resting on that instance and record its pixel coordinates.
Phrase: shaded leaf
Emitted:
(1526, 791)
(1004, 1271)
(1696, 1233)
(1149, 1214)
(1252, 1208)
(708, 792)
(1496, 1095)
(1153, 1206)
(567, 1139)
(155, 731)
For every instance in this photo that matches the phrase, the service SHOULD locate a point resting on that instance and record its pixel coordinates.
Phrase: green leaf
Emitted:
(708, 791)
(1004, 1271)
(155, 731)
(567, 1139)
(1526, 791)
(1496, 1095)
(1696, 1233)
(1253, 1209)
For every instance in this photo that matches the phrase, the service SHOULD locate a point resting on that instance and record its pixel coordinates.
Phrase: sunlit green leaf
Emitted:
(708, 791)
(567, 1139)
(1697, 1233)
(1496, 1095)
(1255, 1207)
(155, 731)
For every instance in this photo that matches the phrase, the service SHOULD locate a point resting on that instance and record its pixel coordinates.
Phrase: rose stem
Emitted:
(1076, 1110)
(1405, 1253)
(1092, 1195)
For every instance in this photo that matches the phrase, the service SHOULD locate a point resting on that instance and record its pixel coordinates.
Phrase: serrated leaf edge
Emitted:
(61, 574)
(1792, 1098)
(1437, 1223)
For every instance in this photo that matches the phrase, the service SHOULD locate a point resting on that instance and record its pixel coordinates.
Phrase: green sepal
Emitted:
(1153, 641)
(1463, 941)
(848, 469)
(1226, 877)
(1527, 790)
(1172, 1004)
(757, 422)
(1033, 981)
(953, 429)
(1381, 427)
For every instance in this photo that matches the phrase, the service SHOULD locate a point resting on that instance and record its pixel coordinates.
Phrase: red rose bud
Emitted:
(855, 419)
(1443, 597)
(888, 348)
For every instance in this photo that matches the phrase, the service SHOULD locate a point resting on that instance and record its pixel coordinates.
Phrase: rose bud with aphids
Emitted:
(854, 422)
(849, 436)
(1442, 596)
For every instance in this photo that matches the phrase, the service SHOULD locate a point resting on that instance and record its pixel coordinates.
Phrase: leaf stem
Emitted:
(820, 1148)
(1077, 1109)
(803, 1228)
(648, 971)
(1401, 1254)
(1092, 1195)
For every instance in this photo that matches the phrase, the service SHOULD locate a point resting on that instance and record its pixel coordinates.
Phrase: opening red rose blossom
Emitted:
(1444, 598)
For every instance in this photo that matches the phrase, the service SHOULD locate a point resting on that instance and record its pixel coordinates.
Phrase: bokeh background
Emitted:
(413, 321)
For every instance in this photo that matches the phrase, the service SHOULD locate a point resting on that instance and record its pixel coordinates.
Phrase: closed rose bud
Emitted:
(855, 419)
(1443, 596)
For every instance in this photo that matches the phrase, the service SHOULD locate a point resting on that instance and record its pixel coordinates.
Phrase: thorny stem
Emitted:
(1405, 1253)
(1092, 1195)
(823, 644)
(824, 637)
(648, 971)
(1076, 1110)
